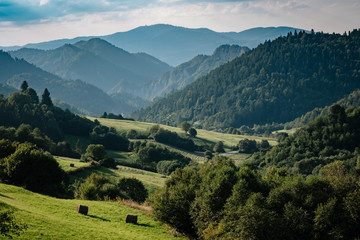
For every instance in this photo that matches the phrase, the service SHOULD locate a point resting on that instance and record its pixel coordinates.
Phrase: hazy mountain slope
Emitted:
(99, 63)
(175, 45)
(139, 63)
(254, 36)
(188, 72)
(82, 95)
(276, 82)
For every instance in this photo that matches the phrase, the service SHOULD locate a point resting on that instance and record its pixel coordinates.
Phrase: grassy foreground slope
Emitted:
(52, 218)
(203, 136)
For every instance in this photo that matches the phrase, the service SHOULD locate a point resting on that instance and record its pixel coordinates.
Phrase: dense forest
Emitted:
(333, 137)
(307, 187)
(275, 82)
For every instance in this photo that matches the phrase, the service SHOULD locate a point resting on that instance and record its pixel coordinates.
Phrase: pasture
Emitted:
(53, 218)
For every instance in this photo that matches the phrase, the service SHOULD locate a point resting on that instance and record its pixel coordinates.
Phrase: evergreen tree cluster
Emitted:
(25, 108)
(275, 82)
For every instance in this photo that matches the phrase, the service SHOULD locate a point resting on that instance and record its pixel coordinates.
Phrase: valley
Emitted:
(238, 135)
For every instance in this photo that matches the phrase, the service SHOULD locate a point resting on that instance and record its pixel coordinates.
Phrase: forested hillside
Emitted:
(351, 100)
(276, 82)
(335, 136)
(186, 73)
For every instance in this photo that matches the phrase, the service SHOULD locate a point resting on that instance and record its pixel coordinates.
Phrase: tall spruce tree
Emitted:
(24, 86)
(46, 98)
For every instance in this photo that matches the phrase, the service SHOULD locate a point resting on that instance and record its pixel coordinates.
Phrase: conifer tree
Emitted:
(24, 86)
(46, 98)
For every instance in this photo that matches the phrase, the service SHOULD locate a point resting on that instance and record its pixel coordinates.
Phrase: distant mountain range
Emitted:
(86, 97)
(275, 82)
(99, 63)
(171, 44)
(186, 73)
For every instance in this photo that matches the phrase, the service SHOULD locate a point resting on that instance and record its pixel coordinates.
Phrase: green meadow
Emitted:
(203, 136)
(151, 180)
(52, 218)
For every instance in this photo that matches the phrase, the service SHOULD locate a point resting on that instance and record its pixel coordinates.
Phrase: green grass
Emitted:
(238, 158)
(151, 180)
(65, 162)
(203, 136)
(53, 218)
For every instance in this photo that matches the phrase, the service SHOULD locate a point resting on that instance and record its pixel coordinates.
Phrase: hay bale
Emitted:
(131, 219)
(83, 209)
(72, 165)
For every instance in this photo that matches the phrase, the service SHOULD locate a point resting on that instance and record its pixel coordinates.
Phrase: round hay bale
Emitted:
(72, 165)
(83, 209)
(131, 219)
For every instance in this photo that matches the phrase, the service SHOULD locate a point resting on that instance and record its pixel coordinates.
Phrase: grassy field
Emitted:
(151, 180)
(52, 218)
(238, 158)
(65, 162)
(203, 136)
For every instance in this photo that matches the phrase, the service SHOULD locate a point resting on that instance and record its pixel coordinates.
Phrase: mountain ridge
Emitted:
(99, 63)
(191, 41)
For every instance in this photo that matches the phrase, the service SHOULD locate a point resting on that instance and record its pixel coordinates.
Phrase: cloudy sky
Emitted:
(30, 21)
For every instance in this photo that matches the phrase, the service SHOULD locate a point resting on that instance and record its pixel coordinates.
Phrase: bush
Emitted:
(94, 152)
(98, 187)
(109, 138)
(64, 149)
(172, 138)
(31, 168)
(133, 189)
(108, 162)
(150, 154)
(167, 167)
(172, 203)
(219, 147)
(248, 146)
(192, 132)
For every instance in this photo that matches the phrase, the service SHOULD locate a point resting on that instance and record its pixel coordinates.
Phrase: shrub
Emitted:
(108, 162)
(167, 167)
(98, 187)
(94, 152)
(31, 168)
(248, 146)
(64, 149)
(219, 147)
(133, 189)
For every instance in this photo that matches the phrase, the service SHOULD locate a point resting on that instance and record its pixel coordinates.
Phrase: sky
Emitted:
(32, 21)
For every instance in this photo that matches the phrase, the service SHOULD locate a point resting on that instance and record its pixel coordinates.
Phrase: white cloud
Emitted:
(51, 19)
